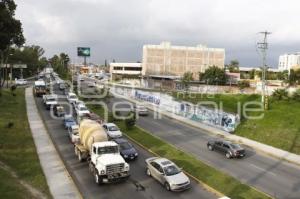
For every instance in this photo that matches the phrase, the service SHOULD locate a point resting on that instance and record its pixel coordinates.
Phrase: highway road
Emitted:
(138, 186)
(275, 177)
(278, 178)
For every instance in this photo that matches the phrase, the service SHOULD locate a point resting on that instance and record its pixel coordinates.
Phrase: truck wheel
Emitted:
(75, 150)
(210, 148)
(228, 156)
(79, 156)
(91, 167)
(148, 172)
(97, 177)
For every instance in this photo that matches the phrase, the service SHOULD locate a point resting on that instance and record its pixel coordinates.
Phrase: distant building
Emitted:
(125, 70)
(289, 61)
(168, 60)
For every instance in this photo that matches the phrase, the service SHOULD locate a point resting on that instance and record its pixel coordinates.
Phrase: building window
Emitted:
(133, 68)
(118, 68)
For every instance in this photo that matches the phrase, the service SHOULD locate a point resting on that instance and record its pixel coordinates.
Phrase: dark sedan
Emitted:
(231, 150)
(127, 151)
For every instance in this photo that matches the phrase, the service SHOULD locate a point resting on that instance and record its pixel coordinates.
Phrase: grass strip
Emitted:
(17, 149)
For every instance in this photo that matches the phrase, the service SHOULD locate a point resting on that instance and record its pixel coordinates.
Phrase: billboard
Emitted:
(84, 51)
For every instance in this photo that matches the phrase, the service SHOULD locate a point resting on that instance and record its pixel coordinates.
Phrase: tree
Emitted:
(11, 32)
(215, 75)
(60, 63)
(233, 66)
(252, 74)
(283, 75)
(29, 55)
(186, 79)
(243, 84)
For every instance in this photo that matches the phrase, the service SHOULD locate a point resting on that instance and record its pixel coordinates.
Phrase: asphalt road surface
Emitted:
(275, 177)
(138, 186)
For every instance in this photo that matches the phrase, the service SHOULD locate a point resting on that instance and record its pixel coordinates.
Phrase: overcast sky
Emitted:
(117, 29)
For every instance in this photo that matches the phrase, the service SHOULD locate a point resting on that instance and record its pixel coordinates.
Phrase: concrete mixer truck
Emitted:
(105, 162)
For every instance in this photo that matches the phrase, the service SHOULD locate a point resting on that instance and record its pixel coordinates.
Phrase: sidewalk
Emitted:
(59, 181)
(269, 150)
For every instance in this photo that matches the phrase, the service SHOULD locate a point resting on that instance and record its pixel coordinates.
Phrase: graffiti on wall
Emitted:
(201, 114)
(147, 97)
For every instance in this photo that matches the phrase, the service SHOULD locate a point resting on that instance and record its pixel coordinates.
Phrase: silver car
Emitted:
(167, 173)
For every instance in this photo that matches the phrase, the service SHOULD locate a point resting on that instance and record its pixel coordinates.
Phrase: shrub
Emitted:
(296, 95)
(130, 121)
(280, 94)
(243, 84)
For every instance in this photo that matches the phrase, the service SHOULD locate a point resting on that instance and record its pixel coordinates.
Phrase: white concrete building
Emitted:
(125, 70)
(289, 61)
(165, 59)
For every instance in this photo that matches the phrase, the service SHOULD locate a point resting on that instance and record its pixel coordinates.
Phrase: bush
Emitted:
(280, 94)
(296, 95)
(130, 120)
(243, 84)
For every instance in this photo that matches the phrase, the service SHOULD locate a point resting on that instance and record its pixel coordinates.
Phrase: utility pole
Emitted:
(263, 46)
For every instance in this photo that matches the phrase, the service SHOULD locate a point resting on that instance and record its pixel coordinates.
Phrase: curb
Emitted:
(66, 168)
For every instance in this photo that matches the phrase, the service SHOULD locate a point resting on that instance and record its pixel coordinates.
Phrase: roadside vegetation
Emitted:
(17, 150)
(210, 176)
(230, 103)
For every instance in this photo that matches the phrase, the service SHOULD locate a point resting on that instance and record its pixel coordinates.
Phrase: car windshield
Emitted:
(125, 146)
(108, 149)
(113, 128)
(51, 100)
(73, 97)
(235, 146)
(83, 108)
(171, 170)
(70, 120)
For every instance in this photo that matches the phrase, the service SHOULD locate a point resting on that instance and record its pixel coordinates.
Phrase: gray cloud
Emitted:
(118, 29)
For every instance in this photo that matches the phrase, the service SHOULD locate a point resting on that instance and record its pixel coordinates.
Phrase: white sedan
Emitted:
(167, 173)
(112, 130)
(81, 110)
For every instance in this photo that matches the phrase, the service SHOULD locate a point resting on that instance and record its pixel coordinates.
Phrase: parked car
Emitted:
(69, 121)
(231, 150)
(140, 110)
(127, 150)
(71, 97)
(112, 130)
(58, 110)
(81, 110)
(91, 84)
(20, 81)
(73, 132)
(167, 173)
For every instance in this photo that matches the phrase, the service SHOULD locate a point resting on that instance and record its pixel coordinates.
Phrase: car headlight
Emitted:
(127, 167)
(136, 154)
(125, 156)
